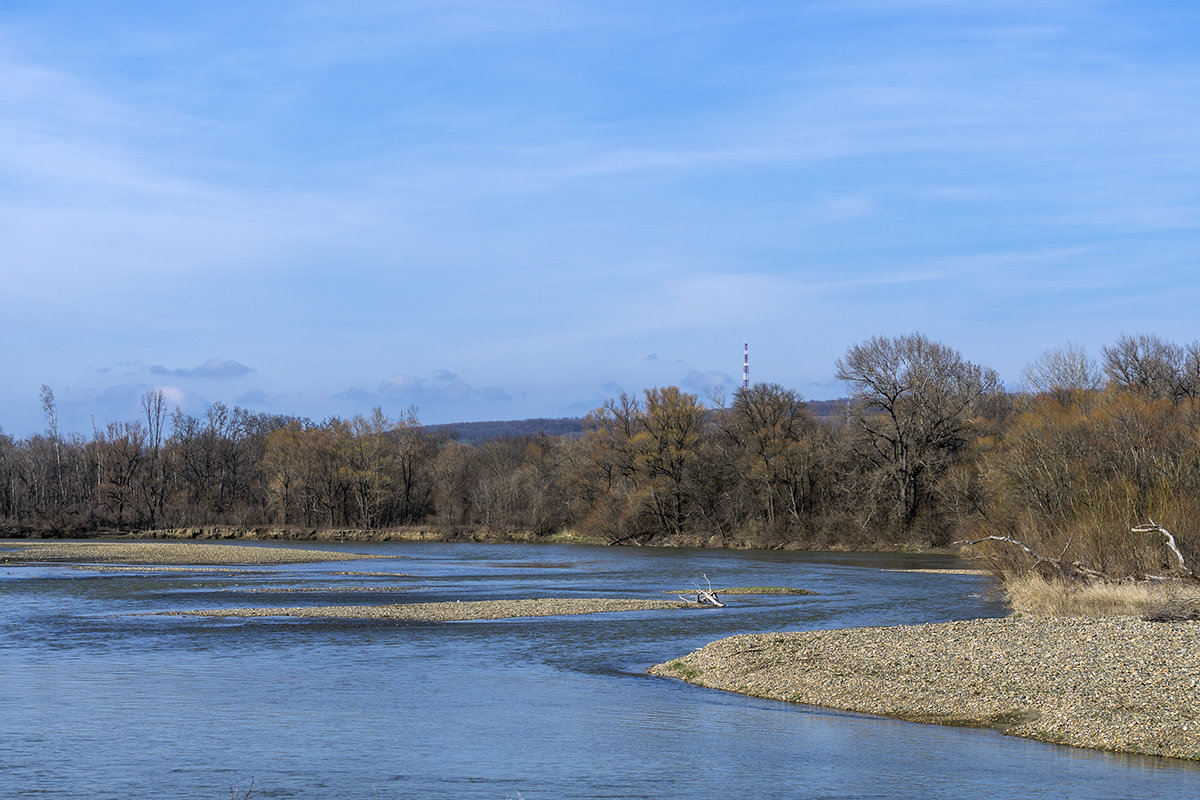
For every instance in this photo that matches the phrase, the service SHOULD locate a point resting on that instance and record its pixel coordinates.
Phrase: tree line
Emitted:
(929, 449)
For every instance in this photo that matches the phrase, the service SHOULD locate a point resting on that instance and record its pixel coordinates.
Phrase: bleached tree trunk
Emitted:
(1154, 527)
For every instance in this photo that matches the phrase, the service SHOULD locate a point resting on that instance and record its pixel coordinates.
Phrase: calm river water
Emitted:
(97, 702)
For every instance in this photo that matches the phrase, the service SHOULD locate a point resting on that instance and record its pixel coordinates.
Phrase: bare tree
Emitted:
(415, 451)
(155, 406)
(914, 402)
(1189, 371)
(636, 466)
(123, 449)
(9, 496)
(1061, 372)
(667, 450)
(1145, 364)
(775, 438)
(50, 409)
(368, 464)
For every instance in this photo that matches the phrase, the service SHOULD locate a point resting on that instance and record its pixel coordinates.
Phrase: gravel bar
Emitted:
(166, 553)
(457, 611)
(1113, 683)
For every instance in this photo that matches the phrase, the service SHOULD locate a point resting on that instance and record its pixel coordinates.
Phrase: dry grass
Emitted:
(1034, 594)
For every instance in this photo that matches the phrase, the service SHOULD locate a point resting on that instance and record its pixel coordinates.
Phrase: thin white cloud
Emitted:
(183, 399)
(254, 397)
(444, 389)
(212, 368)
(707, 381)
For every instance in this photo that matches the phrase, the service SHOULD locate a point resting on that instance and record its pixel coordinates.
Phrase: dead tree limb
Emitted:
(630, 537)
(1154, 527)
(1038, 557)
(1018, 543)
(1072, 569)
(703, 596)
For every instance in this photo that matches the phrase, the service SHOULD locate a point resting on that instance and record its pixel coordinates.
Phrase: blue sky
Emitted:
(503, 210)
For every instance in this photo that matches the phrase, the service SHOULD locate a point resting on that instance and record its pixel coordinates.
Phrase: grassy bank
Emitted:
(1162, 600)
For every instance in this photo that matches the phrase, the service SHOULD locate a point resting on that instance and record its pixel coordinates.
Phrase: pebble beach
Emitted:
(115, 555)
(166, 553)
(457, 611)
(1114, 683)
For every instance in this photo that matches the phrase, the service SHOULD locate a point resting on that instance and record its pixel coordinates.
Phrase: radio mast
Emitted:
(746, 366)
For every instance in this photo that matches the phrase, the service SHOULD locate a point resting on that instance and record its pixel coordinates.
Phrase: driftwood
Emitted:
(631, 538)
(703, 596)
(1154, 527)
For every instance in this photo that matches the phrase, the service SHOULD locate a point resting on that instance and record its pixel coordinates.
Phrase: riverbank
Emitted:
(1115, 683)
(477, 535)
(471, 534)
(165, 553)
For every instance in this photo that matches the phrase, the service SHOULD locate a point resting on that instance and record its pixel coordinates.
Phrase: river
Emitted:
(99, 701)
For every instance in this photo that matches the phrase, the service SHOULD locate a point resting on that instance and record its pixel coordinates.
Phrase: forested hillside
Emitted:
(476, 432)
(929, 449)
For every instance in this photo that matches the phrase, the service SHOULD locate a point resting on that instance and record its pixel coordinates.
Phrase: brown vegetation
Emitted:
(929, 450)
(1152, 600)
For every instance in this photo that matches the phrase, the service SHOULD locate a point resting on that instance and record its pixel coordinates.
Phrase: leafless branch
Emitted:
(1154, 527)
(1073, 569)
(705, 596)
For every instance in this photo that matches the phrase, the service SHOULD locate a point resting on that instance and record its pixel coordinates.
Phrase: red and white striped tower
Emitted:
(746, 366)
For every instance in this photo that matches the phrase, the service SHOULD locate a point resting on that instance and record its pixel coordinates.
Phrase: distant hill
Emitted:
(827, 409)
(474, 432)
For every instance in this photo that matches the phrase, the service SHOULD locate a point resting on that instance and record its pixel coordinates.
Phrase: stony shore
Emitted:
(454, 611)
(165, 553)
(231, 555)
(1114, 683)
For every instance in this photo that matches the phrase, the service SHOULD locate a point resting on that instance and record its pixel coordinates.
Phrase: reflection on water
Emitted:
(97, 701)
